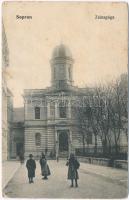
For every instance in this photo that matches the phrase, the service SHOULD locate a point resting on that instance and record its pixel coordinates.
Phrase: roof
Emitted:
(18, 114)
(61, 51)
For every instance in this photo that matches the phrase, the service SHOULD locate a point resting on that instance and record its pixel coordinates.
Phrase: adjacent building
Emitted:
(17, 133)
(7, 100)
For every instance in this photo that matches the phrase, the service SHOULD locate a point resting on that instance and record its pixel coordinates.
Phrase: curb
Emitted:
(10, 177)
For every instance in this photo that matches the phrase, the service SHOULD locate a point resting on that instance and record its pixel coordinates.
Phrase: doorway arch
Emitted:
(63, 141)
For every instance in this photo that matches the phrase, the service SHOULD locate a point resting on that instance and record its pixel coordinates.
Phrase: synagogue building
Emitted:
(50, 124)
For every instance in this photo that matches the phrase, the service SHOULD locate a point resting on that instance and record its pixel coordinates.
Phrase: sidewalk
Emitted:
(9, 168)
(107, 172)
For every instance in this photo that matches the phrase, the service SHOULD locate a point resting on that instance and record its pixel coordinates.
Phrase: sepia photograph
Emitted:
(64, 100)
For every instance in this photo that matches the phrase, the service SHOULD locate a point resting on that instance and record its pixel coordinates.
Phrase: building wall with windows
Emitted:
(16, 141)
(4, 123)
(50, 126)
(7, 100)
(9, 119)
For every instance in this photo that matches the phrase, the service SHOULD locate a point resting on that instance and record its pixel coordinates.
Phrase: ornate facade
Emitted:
(50, 124)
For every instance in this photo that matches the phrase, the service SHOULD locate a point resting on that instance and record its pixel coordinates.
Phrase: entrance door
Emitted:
(63, 141)
(19, 148)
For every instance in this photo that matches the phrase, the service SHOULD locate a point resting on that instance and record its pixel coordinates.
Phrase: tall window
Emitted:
(52, 109)
(69, 71)
(61, 84)
(54, 73)
(61, 71)
(37, 139)
(62, 110)
(37, 112)
(89, 138)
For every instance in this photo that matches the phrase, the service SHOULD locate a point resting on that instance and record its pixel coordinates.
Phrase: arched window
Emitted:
(52, 109)
(37, 139)
(37, 112)
(62, 110)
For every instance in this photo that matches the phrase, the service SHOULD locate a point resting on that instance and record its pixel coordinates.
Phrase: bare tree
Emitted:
(103, 113)
(118, 112)
(80, 111)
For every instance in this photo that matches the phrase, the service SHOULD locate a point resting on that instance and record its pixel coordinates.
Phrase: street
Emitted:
(92, 184)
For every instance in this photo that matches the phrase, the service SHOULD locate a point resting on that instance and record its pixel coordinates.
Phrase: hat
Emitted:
(43, 154)
(72, 155)
(30, 155)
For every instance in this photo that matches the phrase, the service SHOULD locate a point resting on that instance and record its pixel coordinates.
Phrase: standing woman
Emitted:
(73, 166)
(31, 166)
(44, 167)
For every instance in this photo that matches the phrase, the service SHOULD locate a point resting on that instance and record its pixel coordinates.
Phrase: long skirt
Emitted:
(45, 170)
(72, 173)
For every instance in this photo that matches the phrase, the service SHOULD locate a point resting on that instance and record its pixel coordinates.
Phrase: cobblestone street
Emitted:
(94, 182)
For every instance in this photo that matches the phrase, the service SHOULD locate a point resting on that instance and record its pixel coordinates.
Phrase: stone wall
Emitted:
(30, 144)
(50, 139)
(123, 164)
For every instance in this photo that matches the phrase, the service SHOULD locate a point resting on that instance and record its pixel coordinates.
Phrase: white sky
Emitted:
(99, 47)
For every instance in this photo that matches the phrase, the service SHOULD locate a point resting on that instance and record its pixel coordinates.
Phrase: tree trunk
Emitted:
(83, 140)
(95, 147)
(116, 149)
(116, 142)
(104, 144)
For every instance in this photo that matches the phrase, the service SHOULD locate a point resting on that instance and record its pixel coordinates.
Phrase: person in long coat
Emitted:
(44, 167)
(31, 166)
(73, 166)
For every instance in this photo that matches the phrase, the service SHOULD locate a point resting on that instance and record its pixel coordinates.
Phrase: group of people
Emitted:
(31, 167)
(72, 163)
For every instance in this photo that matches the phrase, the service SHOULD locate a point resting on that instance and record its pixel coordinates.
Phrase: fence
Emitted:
(122, 164)
(99, 153)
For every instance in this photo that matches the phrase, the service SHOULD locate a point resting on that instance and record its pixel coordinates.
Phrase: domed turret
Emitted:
(61, 67)
(61, 51)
